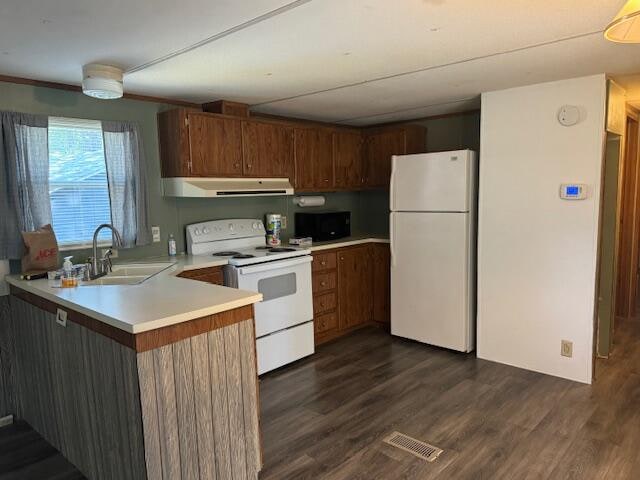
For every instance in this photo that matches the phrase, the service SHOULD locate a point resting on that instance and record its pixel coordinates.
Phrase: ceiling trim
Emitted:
(77, 88)
(421, 119)
(218, 36)
(432, 67)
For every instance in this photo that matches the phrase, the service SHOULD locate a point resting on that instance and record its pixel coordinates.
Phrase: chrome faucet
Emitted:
(98, 268)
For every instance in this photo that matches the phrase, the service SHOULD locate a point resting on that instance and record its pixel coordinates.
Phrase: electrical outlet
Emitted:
(284, 222)
(61, 317)
(114, 252)
(155, 231)
(566, 348)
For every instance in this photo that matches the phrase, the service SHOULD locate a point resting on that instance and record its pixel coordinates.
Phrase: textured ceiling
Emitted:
(350, 61)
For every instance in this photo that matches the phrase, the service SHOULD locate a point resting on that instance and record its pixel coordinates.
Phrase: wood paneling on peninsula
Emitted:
(6, 353)
(189, 435)
(188, 409)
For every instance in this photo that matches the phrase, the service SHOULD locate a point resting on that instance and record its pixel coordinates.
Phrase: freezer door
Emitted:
(431, 278)
(433, 182)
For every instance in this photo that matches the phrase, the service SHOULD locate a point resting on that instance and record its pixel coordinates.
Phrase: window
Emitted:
(78, 186)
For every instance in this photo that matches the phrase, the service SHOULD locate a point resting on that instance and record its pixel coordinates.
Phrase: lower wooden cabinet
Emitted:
(381, 277)
(350, 289)
(210, 275)
(354, 292)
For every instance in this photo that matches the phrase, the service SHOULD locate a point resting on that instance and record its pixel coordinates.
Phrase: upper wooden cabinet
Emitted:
(215, 145)
(348, 159)
(380, 147)
(267, 150)
(382, 143)
(313, 157)
(313, 149)
(195, 144)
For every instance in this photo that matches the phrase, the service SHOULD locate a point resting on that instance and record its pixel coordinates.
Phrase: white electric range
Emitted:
(284, 318)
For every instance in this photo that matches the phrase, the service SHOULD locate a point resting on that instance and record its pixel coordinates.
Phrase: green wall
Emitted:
(169, 213)
(369, 210)
(456, 132)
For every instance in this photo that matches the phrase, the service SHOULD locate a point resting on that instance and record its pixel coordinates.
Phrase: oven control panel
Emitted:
(220, 230)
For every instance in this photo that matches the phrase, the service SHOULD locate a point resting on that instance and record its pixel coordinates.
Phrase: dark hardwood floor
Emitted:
(25, 455)
(325, 417)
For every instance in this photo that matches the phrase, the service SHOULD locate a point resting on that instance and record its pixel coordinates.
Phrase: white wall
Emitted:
(536, 252)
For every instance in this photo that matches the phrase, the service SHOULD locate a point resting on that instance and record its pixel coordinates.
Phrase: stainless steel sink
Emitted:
(129, 274)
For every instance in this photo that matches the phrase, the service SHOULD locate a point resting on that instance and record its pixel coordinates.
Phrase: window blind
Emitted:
(77, 181)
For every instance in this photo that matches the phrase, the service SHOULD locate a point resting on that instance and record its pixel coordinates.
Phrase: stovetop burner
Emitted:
(225, 254)
(281, 249)
(243, 255)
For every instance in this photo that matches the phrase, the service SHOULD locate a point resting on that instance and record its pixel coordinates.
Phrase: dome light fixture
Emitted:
(102, 81)
(625, 28)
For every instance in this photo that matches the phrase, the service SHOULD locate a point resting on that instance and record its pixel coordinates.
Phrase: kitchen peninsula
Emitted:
(149, 381)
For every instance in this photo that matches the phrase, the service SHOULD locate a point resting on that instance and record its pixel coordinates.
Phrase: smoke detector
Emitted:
(102, 81)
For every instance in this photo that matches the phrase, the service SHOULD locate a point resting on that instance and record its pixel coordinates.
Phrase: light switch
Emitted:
(155, 231)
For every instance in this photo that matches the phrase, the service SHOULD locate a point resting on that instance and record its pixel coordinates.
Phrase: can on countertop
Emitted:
(274, 228)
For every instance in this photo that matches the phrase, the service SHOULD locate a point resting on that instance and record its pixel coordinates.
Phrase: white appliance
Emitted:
(225, 187)
(284, 318)
(433, 243)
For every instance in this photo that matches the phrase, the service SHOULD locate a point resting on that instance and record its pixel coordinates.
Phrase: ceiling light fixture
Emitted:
(102, 81)
(625, 28)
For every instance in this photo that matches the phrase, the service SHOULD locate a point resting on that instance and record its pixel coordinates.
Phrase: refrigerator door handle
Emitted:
(392, 183)
(392, 227)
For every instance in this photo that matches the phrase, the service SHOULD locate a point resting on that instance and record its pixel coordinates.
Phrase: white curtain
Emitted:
(127, 178)
(24, 179)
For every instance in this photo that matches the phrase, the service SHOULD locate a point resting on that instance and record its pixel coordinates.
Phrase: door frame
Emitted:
(596, 323)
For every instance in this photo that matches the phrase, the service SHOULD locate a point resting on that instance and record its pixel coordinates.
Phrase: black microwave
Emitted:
(323, 226)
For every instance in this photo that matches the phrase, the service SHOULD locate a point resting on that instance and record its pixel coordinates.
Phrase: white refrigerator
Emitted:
(433, 245)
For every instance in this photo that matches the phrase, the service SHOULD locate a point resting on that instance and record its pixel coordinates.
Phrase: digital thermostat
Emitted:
(573, 191)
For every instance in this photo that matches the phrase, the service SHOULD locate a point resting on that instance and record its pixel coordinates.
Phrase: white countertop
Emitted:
(163, 299)
(159, 301)
(346, 242)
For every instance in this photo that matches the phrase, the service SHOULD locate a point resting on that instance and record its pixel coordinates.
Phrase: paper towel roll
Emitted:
(309, 201)
(4, 270)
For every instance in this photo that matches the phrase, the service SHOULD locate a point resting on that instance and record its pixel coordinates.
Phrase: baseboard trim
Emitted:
(8, 420)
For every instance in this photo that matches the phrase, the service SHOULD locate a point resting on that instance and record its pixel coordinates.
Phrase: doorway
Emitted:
(627, 275)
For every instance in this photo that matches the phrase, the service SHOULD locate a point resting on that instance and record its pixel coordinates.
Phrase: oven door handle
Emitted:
(275, 265)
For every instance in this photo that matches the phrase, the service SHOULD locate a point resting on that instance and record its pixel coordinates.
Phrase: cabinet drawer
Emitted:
(324, 303)
(323, 282)
(324, 323)
(323, 261)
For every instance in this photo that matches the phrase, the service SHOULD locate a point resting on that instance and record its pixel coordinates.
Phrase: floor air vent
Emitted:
(416, 447)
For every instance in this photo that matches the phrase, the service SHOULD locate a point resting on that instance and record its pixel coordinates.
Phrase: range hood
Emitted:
(225, 187)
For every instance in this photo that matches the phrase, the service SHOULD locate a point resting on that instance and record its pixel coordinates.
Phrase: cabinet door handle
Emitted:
(342, 258)
(236, 165)
(323, 263)
(326, 180)
(248, 165)
(323, 284)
